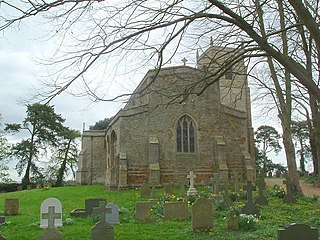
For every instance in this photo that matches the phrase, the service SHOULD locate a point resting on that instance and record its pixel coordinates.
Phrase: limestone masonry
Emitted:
(179, 119)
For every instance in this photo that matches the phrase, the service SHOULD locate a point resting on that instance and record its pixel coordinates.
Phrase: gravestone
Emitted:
(176, 211)
(91, 203)
(145, 190)
(289, 198)
(182, 189)
(38, 186)
(11, 206)
(215, 181)
(201, 215)
(226, 203)
(102, 230)
(168, 189)
(261, 200)
(298, 232)
(232, 223)
(2, 220)
(51, 213)
(51, 233)
(250, 207)
(153, 197)
(113, 216)
(143, 211)
(191, 190)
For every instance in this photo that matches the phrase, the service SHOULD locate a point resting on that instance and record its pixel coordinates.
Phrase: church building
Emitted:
(178, 119)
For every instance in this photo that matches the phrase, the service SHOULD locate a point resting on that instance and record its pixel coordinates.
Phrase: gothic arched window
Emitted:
(186, 135)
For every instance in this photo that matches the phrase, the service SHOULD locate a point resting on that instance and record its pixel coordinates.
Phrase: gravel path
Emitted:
(308, 189)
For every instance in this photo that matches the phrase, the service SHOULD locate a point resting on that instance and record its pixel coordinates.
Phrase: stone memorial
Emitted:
(226, 202)
(51, 213)
(51, 233)
(91, 203)
(113, 216)
(232, 223)
(215, 181)
(201, 215)
(250, 207)
(145, 190)
(176, 211)
(298, 232)
(168, 189)
(143, 211)
(182, 188)
(153, 197)
(11, 206)
(289, 198)
(191, 190)
(2, 220)
(261, 200)
(102, 230)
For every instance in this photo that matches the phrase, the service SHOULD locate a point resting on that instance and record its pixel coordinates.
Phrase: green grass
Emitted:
(26, 224)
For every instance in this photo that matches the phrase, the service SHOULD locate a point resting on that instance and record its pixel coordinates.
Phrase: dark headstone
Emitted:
(201, 214)
(175, 211)
(51, 234)
(261, 200)
(250, 207)
(11, 206)
(102, 230)
(143, 212)
(289, 198)
(145, 190)
(182, 188)
(168, 189)
(91, 203)
(2, 220)
(78, 212)
(298, 232)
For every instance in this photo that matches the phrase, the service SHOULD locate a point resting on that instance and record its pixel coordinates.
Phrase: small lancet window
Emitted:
(186, 135)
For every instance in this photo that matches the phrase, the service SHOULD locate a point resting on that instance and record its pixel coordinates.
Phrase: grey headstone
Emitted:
(261, 200)
(11, 206)
(113, 217)
(175, 211)
(145, 190)
(215, 181)
(2, 220)
(153, 196)
(182, 188)
(289, 198)
(143, 212)
(51, 213)
(298, 232)
(250, 207)
(232, 223)
(91, 203)
(201, 214)
(168, 189)
(102, 230)
(192, 190)
(51, 234)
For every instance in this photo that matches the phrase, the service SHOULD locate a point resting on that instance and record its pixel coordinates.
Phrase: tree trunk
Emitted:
(313, 146)
(63, 166)
(26, 178)
(302, 165)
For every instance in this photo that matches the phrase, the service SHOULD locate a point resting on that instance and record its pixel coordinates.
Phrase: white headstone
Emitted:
(113, 216)
(51, 213)
(192, 190)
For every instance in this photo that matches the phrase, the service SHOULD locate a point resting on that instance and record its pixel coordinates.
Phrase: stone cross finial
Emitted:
(249, 188)
(215, 181)
(184, 60)
(102, 211)
(250, 207)
(51, 216)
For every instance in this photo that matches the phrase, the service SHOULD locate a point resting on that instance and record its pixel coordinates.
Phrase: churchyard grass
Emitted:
(25, 226)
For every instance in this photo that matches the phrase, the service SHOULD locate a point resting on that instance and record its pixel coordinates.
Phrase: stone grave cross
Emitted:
(102, 211)
(184, 60)
(215, 181)
(51, 216)
(192, 189)
(250, 207)
(289, 198)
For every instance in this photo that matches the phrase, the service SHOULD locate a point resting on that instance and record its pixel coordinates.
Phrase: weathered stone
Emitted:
(182, 188)
(51, 213)
(289, 198)
(201, 215)
(78, 212)
(113, 216)
(51, 234)
(143, 211)
(232, 223)
(175, 211)
(298, 232)
(226, 203)
(2, 220)
(168, 189)
(145, 190)
(102, 230)
(250, 207)
(11, 206)
(192, 190)
(91, 203)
